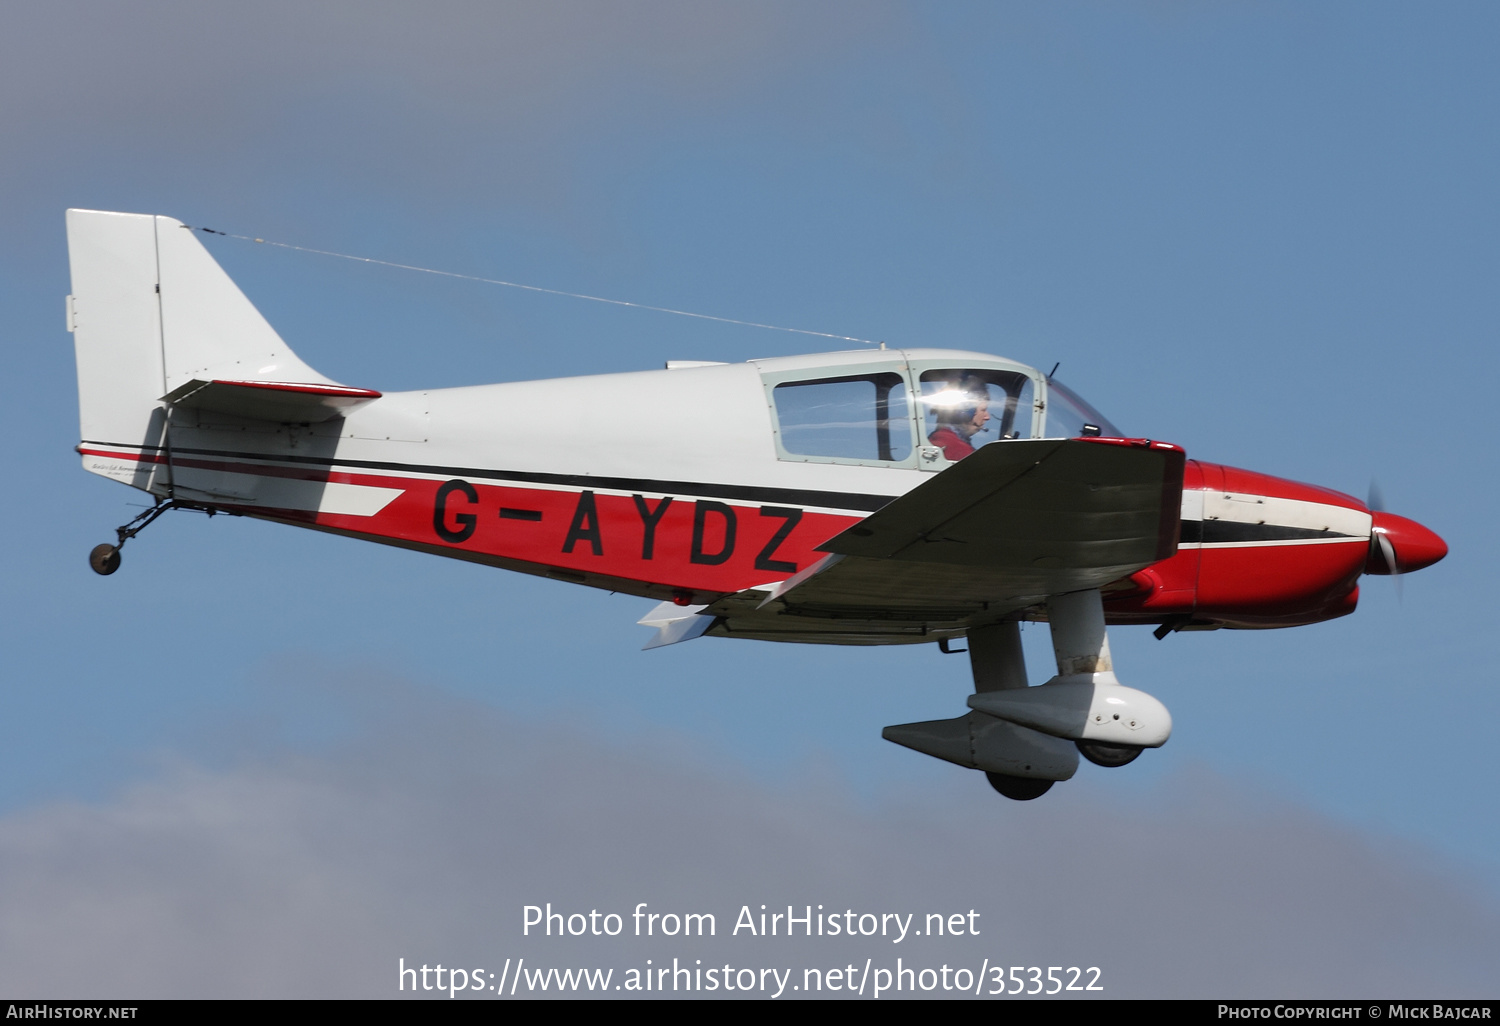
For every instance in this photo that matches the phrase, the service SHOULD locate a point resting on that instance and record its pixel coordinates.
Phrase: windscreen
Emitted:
(1069, 416)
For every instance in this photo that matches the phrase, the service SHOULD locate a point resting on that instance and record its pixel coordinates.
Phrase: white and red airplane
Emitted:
(838, 498)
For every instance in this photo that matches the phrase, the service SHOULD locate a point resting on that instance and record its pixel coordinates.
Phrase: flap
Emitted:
(280, 401)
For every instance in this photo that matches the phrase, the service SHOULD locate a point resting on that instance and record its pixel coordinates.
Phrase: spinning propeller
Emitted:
(1398, 545)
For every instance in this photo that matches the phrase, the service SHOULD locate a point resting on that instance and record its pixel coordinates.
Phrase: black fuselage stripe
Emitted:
(1193, 531)
(1219, 531)
(748, 493)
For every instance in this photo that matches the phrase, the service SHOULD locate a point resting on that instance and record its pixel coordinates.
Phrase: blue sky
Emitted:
(1267, 232)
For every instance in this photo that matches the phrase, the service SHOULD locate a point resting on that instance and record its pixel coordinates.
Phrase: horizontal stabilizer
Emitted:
(675, 623)
(279, 401)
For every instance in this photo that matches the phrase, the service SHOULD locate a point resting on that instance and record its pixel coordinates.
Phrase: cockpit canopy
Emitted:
(1069, 415)
(916, 407)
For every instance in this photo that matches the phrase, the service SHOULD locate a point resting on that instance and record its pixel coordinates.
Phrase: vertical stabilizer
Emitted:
(151, 311)
(209, 329)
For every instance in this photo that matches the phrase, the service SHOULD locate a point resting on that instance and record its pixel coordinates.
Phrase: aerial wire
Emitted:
(531, 288)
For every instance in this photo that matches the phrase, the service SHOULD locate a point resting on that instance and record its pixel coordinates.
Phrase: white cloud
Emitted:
(424, 834)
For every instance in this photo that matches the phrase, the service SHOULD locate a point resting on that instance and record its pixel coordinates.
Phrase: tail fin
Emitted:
(151, 312)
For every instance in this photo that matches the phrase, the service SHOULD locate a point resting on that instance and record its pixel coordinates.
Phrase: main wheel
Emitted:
(105, 559)
(1101, 754)
(1021, 789)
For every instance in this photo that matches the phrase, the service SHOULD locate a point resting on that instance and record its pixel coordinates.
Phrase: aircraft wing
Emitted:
(1000, 531)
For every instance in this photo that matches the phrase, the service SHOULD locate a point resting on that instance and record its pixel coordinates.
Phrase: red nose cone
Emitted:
(1415, 546)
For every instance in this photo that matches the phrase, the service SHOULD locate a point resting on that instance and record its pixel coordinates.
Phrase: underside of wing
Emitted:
(997, 533)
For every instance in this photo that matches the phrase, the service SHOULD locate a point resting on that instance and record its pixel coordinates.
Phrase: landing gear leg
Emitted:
(1080, 641)
(998, 664)
(105, 559)
(1020, 762)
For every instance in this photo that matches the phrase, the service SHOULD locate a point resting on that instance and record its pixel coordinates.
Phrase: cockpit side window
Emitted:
(963, 408)
(863, 417)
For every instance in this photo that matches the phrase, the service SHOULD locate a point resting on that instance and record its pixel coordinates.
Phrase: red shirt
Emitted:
(948, 440)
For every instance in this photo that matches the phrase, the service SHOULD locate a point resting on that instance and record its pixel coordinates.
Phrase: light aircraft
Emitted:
(838, 498)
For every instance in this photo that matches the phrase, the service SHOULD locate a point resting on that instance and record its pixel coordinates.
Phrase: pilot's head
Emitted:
(967, 408)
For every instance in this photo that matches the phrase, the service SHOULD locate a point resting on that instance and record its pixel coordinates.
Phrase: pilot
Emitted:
(963, 419)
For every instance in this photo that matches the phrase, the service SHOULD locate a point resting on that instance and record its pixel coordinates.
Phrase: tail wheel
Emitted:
(1021, 789)
(104, 559)
(1101, 754)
